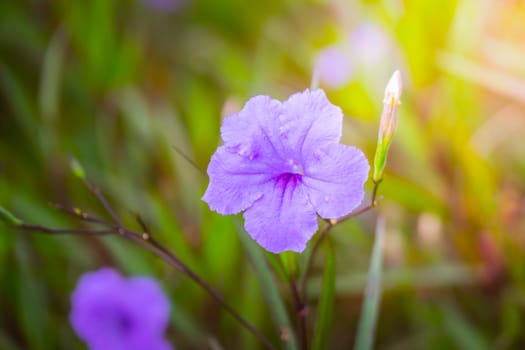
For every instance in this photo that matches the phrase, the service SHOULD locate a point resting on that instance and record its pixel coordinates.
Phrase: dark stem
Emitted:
(105, 203)
(80, 214)
(300, 314)
(141, 222)
(311, 258)
(60, 231)
(189, 160)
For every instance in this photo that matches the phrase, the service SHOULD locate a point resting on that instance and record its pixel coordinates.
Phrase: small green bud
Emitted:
(9, 218)
(77, 169)
(388, 124)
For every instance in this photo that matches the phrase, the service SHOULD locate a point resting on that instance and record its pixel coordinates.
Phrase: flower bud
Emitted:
(393, 90)
(388, 124)
(77, 168)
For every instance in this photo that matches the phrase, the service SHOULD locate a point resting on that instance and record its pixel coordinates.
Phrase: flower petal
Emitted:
(155, 317)
(283, 218)
(334, 179)
(310, 121)
(110, 312)
(254, 131)
(235, 181)
(94, 291)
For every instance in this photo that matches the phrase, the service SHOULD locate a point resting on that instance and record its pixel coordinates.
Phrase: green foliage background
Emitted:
(117, 84)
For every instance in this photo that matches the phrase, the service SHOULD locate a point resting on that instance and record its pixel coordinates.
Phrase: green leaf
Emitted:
(31, 303)
(367, 323)
(269, 287)
(219, 235)
(9, 218)
(18, 99)
(412, 195)
(326, 303)
(461, 331)
(50, 79)
(437, 276)
(290, 262)
(277, 265)
(256, 314)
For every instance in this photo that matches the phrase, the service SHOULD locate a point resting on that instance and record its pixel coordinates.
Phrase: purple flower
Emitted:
(165, 5)
(333, 66)
(282, 163)
(370, 44)
(111, 312)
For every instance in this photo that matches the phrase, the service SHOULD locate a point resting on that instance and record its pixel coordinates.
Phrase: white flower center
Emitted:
(295, 167)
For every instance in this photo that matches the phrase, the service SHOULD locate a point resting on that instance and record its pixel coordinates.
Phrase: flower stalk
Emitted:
(387, 128)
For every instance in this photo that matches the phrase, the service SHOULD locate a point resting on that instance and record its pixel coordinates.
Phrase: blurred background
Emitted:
(119, 84)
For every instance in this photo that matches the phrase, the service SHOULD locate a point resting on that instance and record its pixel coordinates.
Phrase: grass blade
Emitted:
(269, 288)
(326, 303)
(367, 323)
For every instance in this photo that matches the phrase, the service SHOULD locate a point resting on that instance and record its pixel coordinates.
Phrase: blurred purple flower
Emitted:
(111, 312)
(370, 44)
(165, 5)
(282, 162)
(333, 67)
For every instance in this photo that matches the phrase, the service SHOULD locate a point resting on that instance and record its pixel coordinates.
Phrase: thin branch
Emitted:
(141, 223)
(374, 193)
(63, 231)
(96, 192)
(80, 214)
(311, 258)
(353, 214)
(162, 252)
(189, 160)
